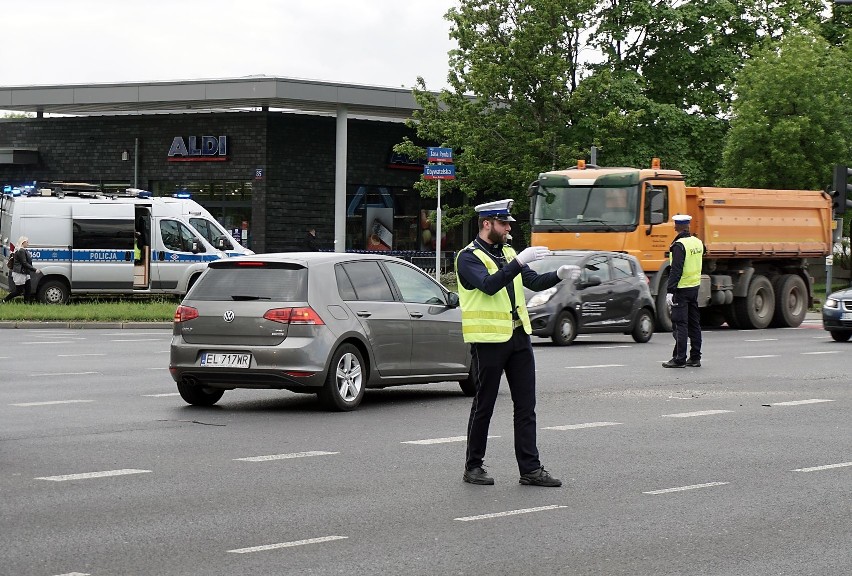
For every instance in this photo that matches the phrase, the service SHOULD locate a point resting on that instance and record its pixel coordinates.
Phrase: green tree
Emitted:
(791, 117)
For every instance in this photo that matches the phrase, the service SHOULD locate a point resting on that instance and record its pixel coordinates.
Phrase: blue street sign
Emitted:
(440, 172)
(434, 154)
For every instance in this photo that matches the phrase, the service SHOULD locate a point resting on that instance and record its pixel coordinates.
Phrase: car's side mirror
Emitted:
(195, 248)
(656, 218)
(452, 300)
(222, 243)
(591, 281)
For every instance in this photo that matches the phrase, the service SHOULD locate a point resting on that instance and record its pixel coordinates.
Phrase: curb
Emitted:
(82, 325)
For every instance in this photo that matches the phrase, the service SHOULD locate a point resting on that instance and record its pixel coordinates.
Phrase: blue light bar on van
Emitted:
(182, 195)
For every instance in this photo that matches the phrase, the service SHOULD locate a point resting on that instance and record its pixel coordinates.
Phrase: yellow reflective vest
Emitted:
(694, 249)
(489, 318)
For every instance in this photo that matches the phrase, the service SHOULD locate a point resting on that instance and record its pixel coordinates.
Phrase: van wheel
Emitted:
(343, 389)
(565, 330)
(199, 395)
(643, 327)
(53, 292)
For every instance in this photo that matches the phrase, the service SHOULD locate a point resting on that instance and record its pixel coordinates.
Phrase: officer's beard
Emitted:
(495, 237)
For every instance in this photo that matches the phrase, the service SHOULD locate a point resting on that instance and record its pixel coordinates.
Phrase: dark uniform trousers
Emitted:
(686, 323)
(516, 358)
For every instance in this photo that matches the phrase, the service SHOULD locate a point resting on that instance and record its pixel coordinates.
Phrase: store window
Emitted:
(228, 201)
(393, 218)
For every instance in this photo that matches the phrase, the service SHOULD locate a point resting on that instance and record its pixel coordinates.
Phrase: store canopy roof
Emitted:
(200, 95)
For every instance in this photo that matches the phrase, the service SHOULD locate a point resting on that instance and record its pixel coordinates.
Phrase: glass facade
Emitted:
(228, 201)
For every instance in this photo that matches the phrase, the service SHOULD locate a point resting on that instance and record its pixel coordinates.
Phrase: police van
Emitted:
(87, 242)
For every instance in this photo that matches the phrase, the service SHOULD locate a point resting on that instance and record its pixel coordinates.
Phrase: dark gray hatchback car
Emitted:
(610, 294)
(326, 323)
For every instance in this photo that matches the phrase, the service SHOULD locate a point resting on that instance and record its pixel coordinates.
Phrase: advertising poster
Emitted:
(379, 232)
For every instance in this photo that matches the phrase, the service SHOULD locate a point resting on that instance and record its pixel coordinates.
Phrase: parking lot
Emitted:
(743, 466)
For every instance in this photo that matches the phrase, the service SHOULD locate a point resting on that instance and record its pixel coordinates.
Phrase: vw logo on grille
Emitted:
(228, 316)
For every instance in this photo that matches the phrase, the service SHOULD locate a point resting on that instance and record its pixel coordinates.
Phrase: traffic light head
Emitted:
(842, 187)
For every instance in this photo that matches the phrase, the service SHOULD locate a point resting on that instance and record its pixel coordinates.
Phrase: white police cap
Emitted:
(682, 218)
(498, 209)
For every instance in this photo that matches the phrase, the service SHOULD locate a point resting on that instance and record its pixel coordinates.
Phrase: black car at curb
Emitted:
(610, 295)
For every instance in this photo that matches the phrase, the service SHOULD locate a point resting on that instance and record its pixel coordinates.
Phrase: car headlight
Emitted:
(832, 303)
(541, 298)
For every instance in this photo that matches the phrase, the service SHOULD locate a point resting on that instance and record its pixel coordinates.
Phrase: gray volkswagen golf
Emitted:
(326, 323)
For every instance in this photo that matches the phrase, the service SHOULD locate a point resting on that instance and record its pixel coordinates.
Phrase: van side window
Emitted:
(177, 236)
(103, 234)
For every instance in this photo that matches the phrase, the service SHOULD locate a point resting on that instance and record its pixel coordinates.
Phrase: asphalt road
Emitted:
(741, 467)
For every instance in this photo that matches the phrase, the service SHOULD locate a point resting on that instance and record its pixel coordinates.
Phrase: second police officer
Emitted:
(491, 279)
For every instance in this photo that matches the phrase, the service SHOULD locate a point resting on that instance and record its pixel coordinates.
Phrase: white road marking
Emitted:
(161, 395)
(596, 366)
(50, 403)
(158, 368)
(607, 347)
(147, 333)
(579, 426)
(139, 340)
(800, 402)
(65, 374)
(826, 467)
(42, 342)
(287, 544)
(682, 488)
(75, 355)
(699, 413)
(823, 352)
(285, 456)
(87, 475)
(764, 356)
(75, 574)
(440, 440)
(762, 340)
(509, 513)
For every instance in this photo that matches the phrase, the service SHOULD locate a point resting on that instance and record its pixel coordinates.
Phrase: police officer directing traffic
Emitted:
(686, 256)
(491, 279)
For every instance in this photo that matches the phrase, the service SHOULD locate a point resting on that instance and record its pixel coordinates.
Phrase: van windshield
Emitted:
(212, 233)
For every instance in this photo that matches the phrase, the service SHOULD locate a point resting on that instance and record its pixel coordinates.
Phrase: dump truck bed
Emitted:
(756, 223)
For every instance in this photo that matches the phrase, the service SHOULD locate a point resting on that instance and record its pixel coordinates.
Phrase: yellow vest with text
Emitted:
(489, 318)
(694, 249)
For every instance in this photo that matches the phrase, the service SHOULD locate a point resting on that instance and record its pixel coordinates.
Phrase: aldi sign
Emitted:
(199, 149)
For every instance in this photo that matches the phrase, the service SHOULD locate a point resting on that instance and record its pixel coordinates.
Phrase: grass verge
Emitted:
(106, 310)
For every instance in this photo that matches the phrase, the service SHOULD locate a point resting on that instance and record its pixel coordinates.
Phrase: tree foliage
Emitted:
(534, 83)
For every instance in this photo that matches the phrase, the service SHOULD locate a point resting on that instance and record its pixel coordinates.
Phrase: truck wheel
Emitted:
(643, 327)
(758, 307)
(664, 316)
(53, 292)
(565, 330)
(840, 336)
(791, 300)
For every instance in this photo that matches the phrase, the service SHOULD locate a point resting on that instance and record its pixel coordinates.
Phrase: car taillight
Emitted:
(184, 313)
(294, 316)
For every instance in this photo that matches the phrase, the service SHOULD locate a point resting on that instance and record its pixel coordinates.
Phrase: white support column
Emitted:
(340, 181)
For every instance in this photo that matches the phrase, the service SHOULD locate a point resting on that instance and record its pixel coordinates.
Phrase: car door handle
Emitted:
(416, 314)
(363, 314)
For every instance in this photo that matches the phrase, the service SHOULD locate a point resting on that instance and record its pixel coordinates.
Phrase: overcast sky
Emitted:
(376, 42)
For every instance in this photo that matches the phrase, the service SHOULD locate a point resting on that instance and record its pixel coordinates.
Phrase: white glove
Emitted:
(669, 299)
(532, 254)
(568, 271)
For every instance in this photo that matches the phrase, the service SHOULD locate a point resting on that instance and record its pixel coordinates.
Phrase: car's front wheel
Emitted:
(344, 385)
(468, 385)
(840, 335)
(643, 327)
(565, 330)
(199, 395)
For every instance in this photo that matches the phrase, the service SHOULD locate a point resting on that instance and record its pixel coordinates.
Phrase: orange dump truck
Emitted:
(758, 241)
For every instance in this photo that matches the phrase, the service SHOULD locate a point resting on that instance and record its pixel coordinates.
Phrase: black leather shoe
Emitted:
(672, 364)
(540, 477)
(694, 363)
(477, 476)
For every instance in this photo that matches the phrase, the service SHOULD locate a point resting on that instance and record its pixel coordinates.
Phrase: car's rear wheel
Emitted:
(344, 385)
(643, 326)
(566, 328)
(840, 336)
(199, 395)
